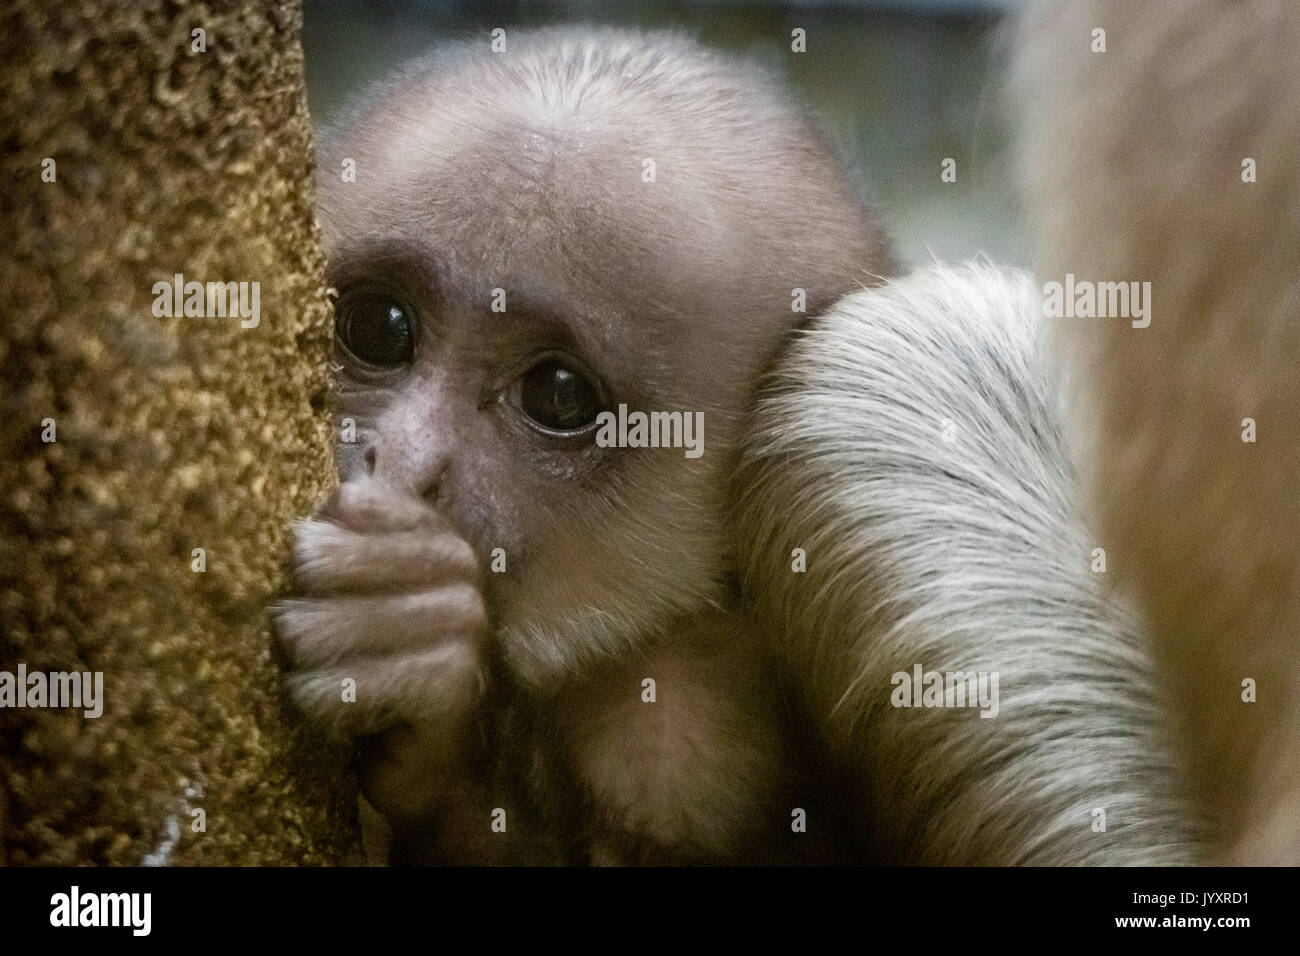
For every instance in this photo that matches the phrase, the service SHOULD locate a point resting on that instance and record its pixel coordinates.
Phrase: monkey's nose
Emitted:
(421, 479)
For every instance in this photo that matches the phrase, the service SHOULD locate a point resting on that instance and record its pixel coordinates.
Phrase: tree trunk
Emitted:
(171, 434)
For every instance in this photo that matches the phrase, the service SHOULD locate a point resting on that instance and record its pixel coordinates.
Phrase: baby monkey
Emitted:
(549, 658)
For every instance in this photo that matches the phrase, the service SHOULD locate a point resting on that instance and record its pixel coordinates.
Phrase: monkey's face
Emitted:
(508, 269)
(492, 417)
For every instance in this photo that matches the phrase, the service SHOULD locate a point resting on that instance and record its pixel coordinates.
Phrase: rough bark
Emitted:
(171, 433)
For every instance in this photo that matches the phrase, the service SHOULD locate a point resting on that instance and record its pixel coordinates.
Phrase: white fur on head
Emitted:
(965, 555)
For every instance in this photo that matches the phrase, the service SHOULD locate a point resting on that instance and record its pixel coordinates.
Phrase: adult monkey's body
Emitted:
(1190, 181)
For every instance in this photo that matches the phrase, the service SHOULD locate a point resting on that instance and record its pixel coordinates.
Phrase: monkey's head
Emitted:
(534, 236)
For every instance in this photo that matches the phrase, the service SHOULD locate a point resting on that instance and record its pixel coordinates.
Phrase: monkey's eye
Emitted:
(375, 328)
(557, 396)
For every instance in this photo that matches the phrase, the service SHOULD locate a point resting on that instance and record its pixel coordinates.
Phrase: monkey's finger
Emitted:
(367, 504)
(322, 632)
(328, 557)
(435, 687)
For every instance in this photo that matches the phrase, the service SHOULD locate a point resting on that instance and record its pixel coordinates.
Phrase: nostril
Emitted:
(431, 489)
(371, 457)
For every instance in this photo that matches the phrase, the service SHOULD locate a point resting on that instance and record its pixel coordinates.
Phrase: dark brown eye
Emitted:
(376, 328)
(558, 396)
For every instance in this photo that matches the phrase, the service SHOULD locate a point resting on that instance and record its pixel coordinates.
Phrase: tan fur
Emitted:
(1132, 160)
(670, 770)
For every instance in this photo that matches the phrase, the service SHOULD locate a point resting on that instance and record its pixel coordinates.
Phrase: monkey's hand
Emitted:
(384, 633)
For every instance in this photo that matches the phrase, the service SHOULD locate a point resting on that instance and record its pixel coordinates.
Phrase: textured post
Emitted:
(150, 465)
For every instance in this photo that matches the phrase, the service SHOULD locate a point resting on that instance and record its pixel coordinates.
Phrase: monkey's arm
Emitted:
(911, 445)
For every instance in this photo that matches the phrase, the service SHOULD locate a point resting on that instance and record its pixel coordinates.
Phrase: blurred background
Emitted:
(900, 86)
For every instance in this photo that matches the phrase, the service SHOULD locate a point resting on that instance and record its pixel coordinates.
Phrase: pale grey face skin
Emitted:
(524, 172)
